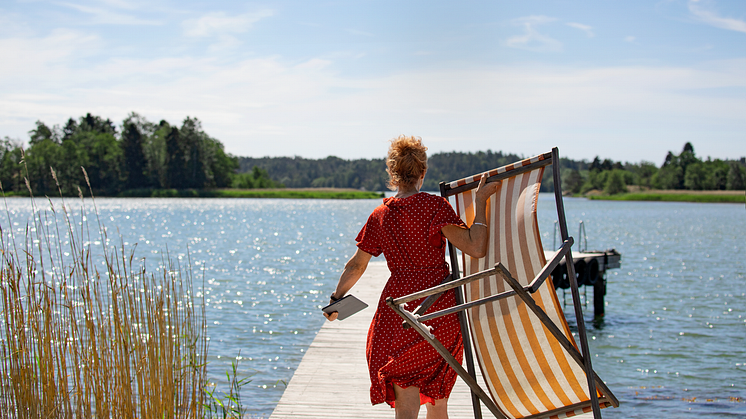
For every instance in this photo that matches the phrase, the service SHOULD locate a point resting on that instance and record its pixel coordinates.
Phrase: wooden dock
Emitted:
(332, 379)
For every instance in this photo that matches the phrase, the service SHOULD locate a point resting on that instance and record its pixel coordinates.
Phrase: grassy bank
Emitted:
(305, 193)
(738, 197)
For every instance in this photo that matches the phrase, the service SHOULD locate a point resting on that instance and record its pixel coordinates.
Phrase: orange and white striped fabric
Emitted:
(527, 371)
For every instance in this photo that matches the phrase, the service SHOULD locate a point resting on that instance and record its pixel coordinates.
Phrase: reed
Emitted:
(88, 331)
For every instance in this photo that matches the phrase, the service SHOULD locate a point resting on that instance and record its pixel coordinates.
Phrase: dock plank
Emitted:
(332, 379)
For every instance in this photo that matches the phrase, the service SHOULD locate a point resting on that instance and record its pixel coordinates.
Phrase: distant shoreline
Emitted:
(675, 195)
(288, 193)
(298, 193)
(669, 195)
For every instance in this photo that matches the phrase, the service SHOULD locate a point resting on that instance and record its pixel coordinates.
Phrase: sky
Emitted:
(628, 80)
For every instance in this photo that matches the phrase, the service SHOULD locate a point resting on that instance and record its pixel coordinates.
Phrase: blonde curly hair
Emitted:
(406, 161)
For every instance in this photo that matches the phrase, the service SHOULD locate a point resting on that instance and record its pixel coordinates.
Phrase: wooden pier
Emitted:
(332, 379)
(590, 267)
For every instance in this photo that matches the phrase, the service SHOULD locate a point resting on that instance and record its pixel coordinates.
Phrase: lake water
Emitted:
(671, 343)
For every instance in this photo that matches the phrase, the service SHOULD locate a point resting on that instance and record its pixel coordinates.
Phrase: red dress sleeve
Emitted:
(370, 237)
(445, 215)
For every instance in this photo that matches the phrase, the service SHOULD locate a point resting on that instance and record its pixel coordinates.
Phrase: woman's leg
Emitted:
(439, 410)
(407, 402)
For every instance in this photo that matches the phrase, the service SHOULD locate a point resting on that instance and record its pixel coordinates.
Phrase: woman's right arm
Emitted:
(473, 240)
(354, 269)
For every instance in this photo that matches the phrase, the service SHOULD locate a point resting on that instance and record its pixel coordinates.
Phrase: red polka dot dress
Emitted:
(407, 232)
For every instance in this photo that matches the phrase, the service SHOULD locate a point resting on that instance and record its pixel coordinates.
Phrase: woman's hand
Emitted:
(333, 315)
(486, 190)
(354, 269)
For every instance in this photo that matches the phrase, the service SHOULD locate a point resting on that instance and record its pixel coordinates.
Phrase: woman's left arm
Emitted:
(473, 240)
(354, 269)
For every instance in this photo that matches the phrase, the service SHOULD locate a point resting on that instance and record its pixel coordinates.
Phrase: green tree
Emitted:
(11, 169)
(134, 158)
(71, 126)
(104, 161)
(601, 166)
(42, 132)
(572, 181)
(91, 123)
(222, 166)
(154, 149)
(596, 181)
(176, 171)
(144, 155)
(670, 175)
(642, 173)
(192, 140)
(696, 176)
(736, 176)
(38, 160)
(92, 143)
(615, 182)
(717, 175)
(74, 155)
(708, 175)
(256, 179)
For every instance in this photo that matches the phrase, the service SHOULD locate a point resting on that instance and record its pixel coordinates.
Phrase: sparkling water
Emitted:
(671, 343)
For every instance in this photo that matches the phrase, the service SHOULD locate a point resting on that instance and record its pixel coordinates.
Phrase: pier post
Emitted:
(599, 291)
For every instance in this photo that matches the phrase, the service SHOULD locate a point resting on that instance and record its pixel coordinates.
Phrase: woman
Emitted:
(410, 229)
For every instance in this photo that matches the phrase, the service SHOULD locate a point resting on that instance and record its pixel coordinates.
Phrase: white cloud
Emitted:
(220, 23)
(630, 38)
(104, 16)
(585, 28)
(28, 57)
(711, 18)
(269, 106)
(532, 40)
(122, 4)
(11, 24)
(314, 64)
(359, 33)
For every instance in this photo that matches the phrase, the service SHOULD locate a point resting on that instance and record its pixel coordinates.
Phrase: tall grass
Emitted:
(88, 331)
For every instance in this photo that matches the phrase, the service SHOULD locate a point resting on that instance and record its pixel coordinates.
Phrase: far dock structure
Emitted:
(590, 269)
(332, 379)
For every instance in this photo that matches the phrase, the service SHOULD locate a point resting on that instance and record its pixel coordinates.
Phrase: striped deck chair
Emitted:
(527, 355)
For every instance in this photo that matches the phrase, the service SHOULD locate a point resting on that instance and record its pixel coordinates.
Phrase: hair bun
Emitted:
(406, 161)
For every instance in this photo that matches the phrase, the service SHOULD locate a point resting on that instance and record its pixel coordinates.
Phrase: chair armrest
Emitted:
(444, 287)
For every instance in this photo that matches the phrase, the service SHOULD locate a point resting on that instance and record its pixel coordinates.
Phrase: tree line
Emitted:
(370, 174)
(137, 156)
(140, 155)
(684, 171)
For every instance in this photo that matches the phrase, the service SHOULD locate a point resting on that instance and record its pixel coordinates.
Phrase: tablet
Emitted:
(345, 306)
